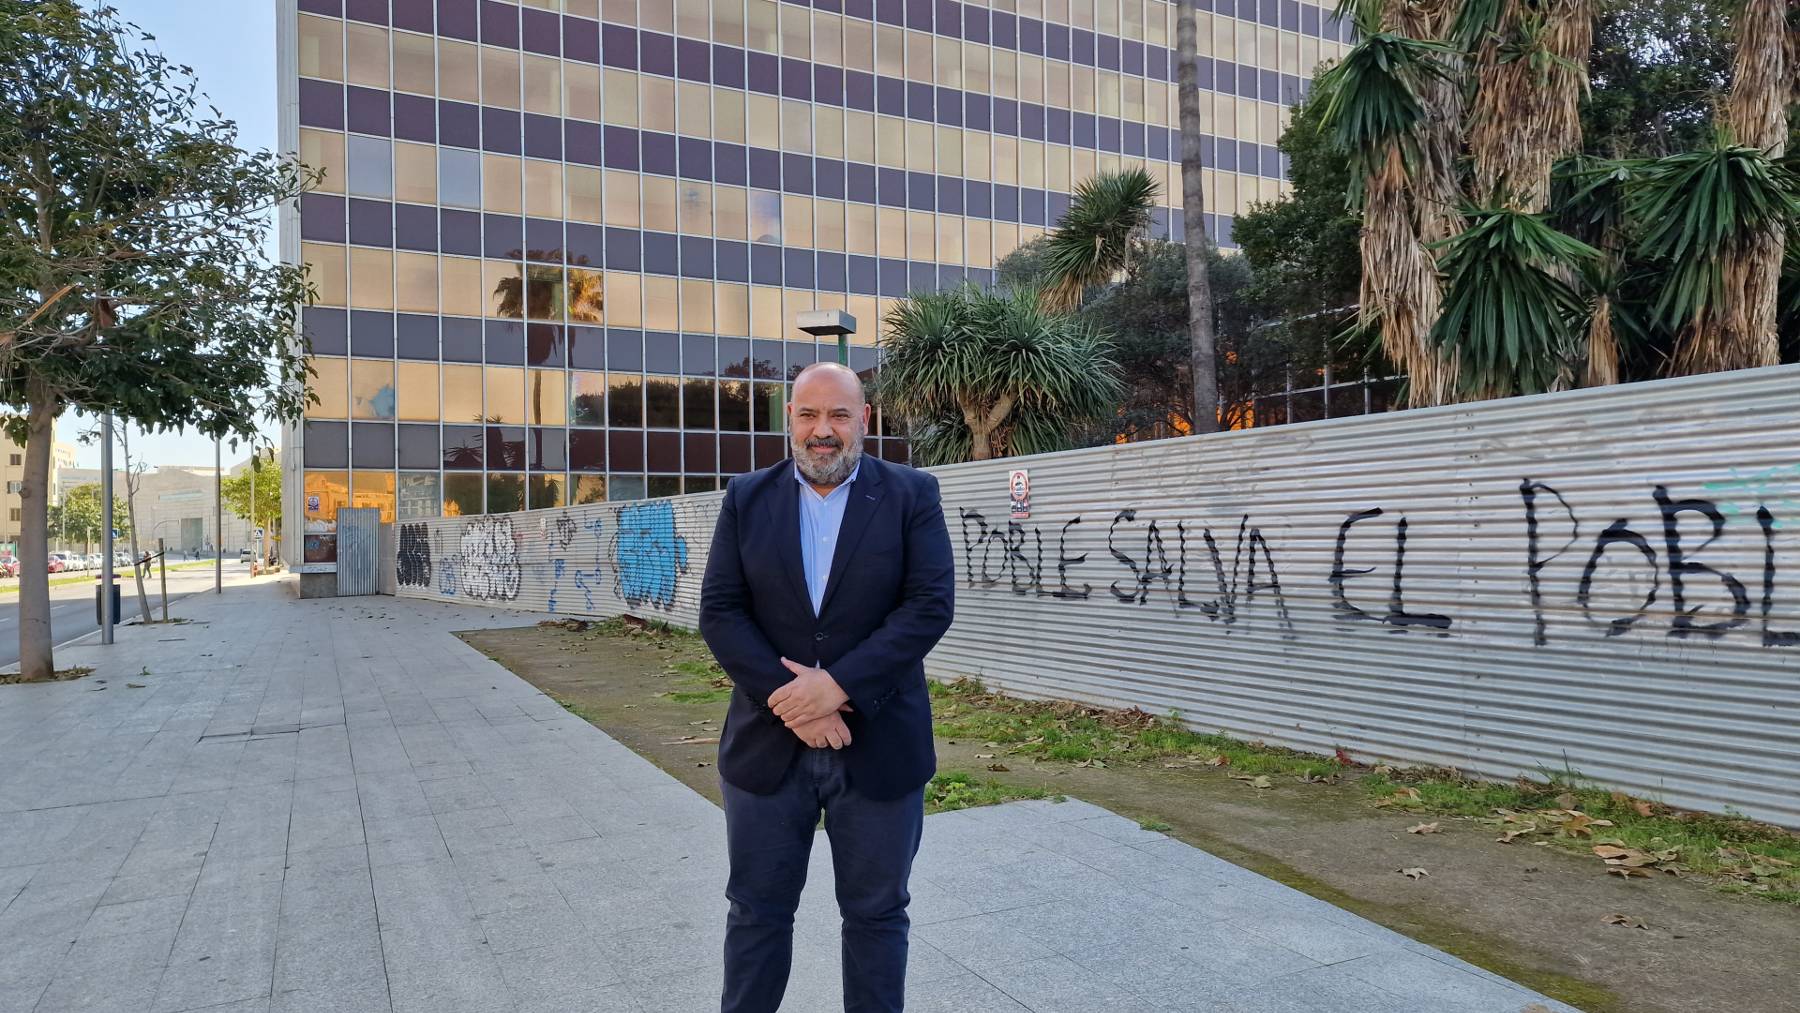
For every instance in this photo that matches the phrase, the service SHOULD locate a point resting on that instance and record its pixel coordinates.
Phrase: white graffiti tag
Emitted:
(488, 561)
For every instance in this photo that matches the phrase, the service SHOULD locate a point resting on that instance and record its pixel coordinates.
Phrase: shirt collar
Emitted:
(798, 477)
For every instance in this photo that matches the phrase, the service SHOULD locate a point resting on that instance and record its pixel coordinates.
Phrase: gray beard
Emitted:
(833, 472)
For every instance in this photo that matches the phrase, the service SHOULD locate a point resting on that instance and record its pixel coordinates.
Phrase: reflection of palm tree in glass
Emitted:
(586, 299)
(535, 296)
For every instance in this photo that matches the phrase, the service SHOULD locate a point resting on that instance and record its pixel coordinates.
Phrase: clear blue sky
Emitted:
(230, 44)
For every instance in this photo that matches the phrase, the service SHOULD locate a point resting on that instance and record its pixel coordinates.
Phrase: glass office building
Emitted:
(560, 245)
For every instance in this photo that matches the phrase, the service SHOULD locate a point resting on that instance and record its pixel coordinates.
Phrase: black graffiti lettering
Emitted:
(1528, 491)
(1138, 576)
(1274, 583)
(1680, 566)
(967, 515)
(1770, 636)
(1064, 561)
(1397, 615)
(1181, 598)
(1615, 533)
(1158, 567)
(1340, 575)
(412, 566)
(1020, 564)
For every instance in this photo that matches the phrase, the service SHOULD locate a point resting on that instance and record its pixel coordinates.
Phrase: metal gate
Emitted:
(358, 548)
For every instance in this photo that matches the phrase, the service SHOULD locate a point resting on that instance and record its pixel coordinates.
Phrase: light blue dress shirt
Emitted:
(820, 519)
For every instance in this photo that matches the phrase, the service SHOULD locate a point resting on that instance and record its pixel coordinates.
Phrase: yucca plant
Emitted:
(1372, 98)
(983, 374)
(1710, 221)
(1589, 195)
(1093, 243)
(1509, 318)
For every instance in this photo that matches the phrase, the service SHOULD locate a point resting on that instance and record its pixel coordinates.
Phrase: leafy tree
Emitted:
(982, 374)
(236, 491)
(132, 273)
(78, 515)
(1095, 241)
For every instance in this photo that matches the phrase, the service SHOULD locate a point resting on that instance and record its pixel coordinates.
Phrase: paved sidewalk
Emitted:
(336, 805)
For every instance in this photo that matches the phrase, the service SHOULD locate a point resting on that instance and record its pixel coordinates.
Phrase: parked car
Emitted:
(9, 566)
(94, 560)
(245, 555)
(57, 563)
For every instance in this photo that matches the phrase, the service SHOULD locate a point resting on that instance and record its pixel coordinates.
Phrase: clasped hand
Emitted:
(810, 705)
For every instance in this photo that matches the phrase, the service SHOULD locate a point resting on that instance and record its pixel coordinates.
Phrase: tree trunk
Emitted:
(137, 568)
(1203, 361)
(36, 658)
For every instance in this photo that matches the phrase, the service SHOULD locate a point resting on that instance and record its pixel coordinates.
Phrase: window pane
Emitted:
(697, 403)
(622, 199)
(459, 178)
(621, 96)
(417, 399)
(500, 184)
(371, 388)
(415, 63)
(728, 115)
(547, 399)
(418, 496)
(505, 395)
(543, 85)
(731, 216)
(585, 297)
(371, 279)
(695, 200)
(505, 493)
(324, 150)
(859, 228)
(662, 402)
(658, 104)
(503, 282)
(661, 305)
(582, 184)
(544, 297)
(415, 173)
(543, 189)
(589, 489)
(330, 490)
(765, 217)
(461, 294)
(459, 74)
(462, 494)
(546, 491)
(659, 204)
(732, 309)
(697, 306)
(587, 398)
(325, 269)
(366, 55)
(462, 393)
(581, 91)
(765, 312)
(624, 306)
(796, 126)
(374, 489)
(694, 109)
(416, 283)
(330, 385)
(371, 166)
(734, 406)
(321, 48)
(499, 78)
(624, 400)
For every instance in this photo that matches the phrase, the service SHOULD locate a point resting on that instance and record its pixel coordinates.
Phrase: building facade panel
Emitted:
(558, 245)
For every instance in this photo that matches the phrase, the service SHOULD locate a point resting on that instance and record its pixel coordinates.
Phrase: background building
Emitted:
(173, 503)
(560, 244)
(12, 474)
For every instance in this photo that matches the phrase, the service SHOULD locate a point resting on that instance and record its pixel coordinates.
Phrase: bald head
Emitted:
(827, 421)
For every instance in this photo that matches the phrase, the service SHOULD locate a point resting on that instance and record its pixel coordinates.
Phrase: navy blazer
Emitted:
(888, 599)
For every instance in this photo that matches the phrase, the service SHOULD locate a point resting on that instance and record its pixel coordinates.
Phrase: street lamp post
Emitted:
(823, 323)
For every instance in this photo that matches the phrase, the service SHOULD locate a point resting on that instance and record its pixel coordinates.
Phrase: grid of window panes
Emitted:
(559, 245)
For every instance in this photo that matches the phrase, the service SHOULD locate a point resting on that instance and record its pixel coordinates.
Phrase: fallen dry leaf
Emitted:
(1220, 761)
(1643, 808)
(1414, 873)
(1383, 769)
(1625, 920)
(1423, 828)
(1566, 800)
(998, 768)
(1261, 781)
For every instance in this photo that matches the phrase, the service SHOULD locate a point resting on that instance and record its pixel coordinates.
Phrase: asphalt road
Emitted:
(72, 605)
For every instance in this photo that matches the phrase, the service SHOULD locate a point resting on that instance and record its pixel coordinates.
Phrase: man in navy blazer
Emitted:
(829, 579)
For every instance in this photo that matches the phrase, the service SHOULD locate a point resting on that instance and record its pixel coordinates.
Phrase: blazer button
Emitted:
(820, 636)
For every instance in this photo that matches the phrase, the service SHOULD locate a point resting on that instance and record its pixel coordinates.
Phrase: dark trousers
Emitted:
(769, 838)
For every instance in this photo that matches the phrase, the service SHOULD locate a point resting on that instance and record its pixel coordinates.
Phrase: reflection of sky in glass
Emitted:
(765, 217)
(382, 404)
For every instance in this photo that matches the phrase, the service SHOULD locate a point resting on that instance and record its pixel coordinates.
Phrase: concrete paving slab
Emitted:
(337, 805)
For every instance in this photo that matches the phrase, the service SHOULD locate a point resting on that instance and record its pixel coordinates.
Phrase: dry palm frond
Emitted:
(1741, 332)
(1401, 292)
(1602, 346)
(1531, 73)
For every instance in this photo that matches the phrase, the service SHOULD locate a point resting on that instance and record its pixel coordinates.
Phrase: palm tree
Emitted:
(1202, 342)
(982, 374)
(1096, 238)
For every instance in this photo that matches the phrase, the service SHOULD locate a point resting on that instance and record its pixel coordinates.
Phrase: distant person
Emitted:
(829, 580)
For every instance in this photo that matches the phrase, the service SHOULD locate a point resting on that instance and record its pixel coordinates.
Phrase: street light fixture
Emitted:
(820, 323)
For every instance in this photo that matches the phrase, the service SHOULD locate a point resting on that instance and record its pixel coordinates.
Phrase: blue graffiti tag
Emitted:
(651, 555)
(554, 585)
(587, 580)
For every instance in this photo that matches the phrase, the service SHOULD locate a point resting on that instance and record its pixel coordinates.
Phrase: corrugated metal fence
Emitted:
(1602, 581)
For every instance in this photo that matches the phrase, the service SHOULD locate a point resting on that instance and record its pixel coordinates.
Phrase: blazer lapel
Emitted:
(865, 496)
(784, 516)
